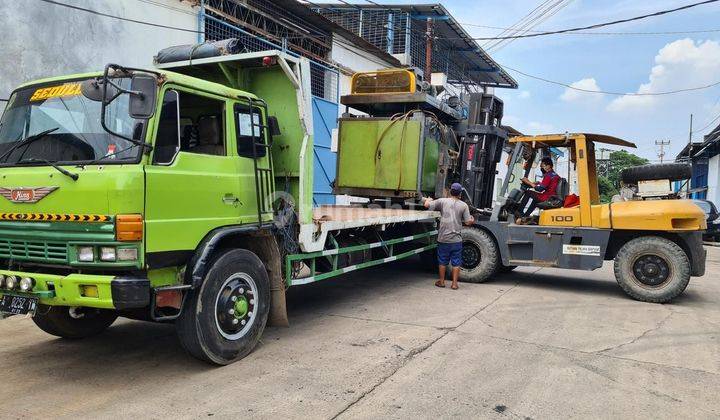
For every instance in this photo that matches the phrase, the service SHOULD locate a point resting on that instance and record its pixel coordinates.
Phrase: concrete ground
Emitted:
(386, 343)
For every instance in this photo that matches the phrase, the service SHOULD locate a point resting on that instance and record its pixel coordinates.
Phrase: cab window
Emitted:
(245, 123)
(202, 122)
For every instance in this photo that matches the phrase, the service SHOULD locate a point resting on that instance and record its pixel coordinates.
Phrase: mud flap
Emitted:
(270, 252)
(278, 309)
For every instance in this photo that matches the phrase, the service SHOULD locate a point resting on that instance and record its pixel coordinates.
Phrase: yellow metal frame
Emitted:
(657, 215)
(412, 80)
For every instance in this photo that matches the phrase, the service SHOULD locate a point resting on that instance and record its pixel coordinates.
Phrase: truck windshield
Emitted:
(75, 134)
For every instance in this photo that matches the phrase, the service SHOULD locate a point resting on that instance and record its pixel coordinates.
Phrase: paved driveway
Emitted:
(386, 343)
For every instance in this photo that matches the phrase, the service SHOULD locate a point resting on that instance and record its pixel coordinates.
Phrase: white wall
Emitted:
(713, 193)
(355, 59)
(41, 39)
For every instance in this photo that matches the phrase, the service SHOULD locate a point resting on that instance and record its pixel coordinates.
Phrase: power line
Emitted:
(700, 130)
(569, 86)
(141, 22)
(165, 6)
(514, 25)
(550, 12)
(699, 31)
(597, 25)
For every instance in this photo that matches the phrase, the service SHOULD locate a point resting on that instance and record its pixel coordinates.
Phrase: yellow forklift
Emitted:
(415, 140)
(656, 244)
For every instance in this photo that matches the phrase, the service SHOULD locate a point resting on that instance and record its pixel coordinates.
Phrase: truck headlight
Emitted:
(27, 284)
(107, 253)
(11, 282)
(127, 254)
(2, 281)
(86, 254)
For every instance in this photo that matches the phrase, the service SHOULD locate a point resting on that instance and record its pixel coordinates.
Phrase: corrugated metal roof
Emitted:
(303, 11)
(479, 66)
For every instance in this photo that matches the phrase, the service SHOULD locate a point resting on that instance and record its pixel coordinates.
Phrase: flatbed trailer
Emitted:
(341, 218)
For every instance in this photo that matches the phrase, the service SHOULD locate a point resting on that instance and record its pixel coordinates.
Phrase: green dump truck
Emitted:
(178, 194)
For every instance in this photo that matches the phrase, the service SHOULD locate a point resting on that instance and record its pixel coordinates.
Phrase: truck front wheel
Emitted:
(71, 322)
(480, 256)
(223, 320)
(652, 269)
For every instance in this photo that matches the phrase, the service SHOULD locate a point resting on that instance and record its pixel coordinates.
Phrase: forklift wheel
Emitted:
(480, 256)
(652, 269)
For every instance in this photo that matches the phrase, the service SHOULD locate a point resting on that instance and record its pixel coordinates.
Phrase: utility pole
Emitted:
(690, 156)
(428, 50)
(662, 145)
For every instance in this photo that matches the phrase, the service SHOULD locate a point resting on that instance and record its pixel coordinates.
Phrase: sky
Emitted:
(616, 63)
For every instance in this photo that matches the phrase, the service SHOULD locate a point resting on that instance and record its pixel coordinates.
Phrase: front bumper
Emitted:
(92, 291)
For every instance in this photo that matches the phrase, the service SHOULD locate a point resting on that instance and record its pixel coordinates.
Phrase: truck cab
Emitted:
(111, 180)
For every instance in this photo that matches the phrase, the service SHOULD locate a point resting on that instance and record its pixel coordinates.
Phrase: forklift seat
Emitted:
(556, 201)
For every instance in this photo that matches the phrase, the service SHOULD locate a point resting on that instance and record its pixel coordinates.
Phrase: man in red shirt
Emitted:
(544, 189)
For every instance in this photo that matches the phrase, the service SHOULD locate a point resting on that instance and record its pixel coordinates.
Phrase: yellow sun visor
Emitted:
(42, 94)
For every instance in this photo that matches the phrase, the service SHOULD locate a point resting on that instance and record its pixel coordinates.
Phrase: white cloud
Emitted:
(529, 128)
(524, 94)
(536, 128)
(680, 64)
(572, 95)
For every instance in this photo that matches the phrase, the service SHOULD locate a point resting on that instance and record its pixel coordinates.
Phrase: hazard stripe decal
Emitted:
(51, 217)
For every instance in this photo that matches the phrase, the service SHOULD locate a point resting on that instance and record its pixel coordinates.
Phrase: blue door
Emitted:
(324, 121)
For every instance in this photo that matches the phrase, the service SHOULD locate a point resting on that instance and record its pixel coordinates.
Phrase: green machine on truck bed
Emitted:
(179, 194)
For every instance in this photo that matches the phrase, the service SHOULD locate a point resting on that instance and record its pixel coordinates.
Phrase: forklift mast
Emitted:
(483, 140)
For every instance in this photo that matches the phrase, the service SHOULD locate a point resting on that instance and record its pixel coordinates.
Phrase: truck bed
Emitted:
(356, 213)
(345, 217)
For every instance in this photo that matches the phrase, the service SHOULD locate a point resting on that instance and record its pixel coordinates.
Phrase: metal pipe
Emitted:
(428, 50)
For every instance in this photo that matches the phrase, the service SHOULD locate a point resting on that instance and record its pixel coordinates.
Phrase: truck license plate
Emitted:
(18, 305)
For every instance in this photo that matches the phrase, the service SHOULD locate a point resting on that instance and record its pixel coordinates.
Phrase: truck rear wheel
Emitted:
(223, 320)
(71, 322)
(480, 256)
(652, 269)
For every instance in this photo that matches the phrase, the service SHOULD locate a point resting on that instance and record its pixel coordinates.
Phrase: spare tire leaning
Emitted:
(671, 171)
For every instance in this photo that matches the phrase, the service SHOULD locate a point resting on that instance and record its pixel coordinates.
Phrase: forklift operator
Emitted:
(544, 189)
(454, 212)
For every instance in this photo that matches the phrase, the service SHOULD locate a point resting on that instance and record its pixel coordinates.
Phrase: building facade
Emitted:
(705, 159)
(49, 40)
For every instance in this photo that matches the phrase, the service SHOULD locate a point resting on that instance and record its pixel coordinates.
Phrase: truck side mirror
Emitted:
(274, 126)
(144, 96)
(93, 90)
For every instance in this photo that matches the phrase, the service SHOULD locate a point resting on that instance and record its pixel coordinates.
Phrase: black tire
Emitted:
(70, 322)
(671, 171)
(206, 330)
(480, 256)
(652, 269)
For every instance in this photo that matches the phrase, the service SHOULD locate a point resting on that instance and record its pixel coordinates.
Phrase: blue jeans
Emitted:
(450, 254)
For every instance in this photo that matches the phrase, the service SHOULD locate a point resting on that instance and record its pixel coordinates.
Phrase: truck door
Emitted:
(253, 145)
(192, 184)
